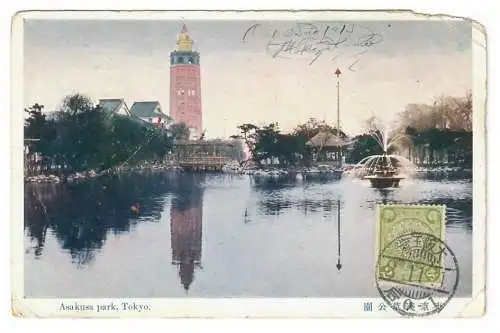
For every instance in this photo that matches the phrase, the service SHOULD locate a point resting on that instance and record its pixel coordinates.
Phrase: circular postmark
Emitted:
(417, 274)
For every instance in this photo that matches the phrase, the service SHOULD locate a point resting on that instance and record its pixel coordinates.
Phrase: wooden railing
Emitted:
(203, 162)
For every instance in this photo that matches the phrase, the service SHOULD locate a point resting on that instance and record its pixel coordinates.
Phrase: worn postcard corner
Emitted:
(248, 164)
(17, 310)
(476, 307)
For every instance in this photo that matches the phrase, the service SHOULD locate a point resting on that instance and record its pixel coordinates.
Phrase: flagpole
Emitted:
(339, 265)
(337, 73)
(338, 102)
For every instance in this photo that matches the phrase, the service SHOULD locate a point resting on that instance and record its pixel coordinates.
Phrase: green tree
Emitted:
(443, 129)
(77, 103)
(179, 131)
(84, 137)
(249, 136)
(38, 129)
(290, 148)
(364, 145)
(267, 142)
(312, 127)
(82, 134)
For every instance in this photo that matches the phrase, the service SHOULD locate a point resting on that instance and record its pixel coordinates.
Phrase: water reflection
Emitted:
(308, 198)
(81, 215)
(277, 232)
(186, 217)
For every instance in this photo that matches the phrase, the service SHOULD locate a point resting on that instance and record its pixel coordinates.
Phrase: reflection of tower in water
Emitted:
(186, 230)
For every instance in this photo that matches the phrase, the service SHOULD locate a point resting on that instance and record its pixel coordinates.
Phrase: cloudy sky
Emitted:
(385, 65)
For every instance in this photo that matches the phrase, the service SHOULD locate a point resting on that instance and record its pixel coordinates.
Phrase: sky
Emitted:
(385, 65)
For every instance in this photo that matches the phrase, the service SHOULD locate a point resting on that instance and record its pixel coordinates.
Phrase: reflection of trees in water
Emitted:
(274, 202)
(277, 204)
(270, 186)
(186, 227)
(463, 175)
(81, 215)
(458, 210)
(327, 206)
(276, 207)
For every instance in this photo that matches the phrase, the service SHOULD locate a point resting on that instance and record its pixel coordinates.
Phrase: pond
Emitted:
(219, 235)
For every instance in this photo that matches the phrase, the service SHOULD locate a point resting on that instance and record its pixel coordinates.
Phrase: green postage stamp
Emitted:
(408, 232)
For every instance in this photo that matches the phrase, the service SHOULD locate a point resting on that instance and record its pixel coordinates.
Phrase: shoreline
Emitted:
(81, 176)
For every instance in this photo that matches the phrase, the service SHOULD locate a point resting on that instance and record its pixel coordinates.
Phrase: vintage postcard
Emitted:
(248, 164)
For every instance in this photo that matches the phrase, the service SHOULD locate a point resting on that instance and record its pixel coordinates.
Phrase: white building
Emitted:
(117, 106)
(150, 112)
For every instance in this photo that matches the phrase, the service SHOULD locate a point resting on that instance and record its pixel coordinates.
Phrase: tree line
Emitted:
(427, 134)
(81, 136)
(289, 149)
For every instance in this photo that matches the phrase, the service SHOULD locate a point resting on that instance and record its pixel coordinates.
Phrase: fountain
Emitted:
(384, 174)
(368, 165)
(384, 170)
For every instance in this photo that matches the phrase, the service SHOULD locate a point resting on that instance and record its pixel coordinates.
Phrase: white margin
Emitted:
(262, 308)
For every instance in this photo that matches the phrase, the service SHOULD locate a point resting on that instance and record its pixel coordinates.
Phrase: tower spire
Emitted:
(184, 41)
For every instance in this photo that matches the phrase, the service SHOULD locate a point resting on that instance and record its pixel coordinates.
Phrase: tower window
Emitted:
(180, 60)
(191, 60)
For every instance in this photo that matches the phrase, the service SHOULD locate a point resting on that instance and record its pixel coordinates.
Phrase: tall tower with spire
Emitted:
(185, 84)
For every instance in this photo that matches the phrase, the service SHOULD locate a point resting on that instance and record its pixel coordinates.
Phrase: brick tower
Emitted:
(185, 84)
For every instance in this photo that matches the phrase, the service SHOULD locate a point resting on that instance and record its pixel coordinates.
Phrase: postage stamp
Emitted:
(415, 268)
(395, 221)
(247, 164)
(418, 274)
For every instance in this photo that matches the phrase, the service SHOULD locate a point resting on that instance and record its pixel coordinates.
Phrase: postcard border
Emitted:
(271, 308)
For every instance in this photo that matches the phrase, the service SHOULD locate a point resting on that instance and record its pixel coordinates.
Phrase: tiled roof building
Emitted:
(150, 112)
(116, 106)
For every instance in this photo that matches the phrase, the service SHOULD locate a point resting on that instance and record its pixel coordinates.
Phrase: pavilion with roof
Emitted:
(327, 148)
